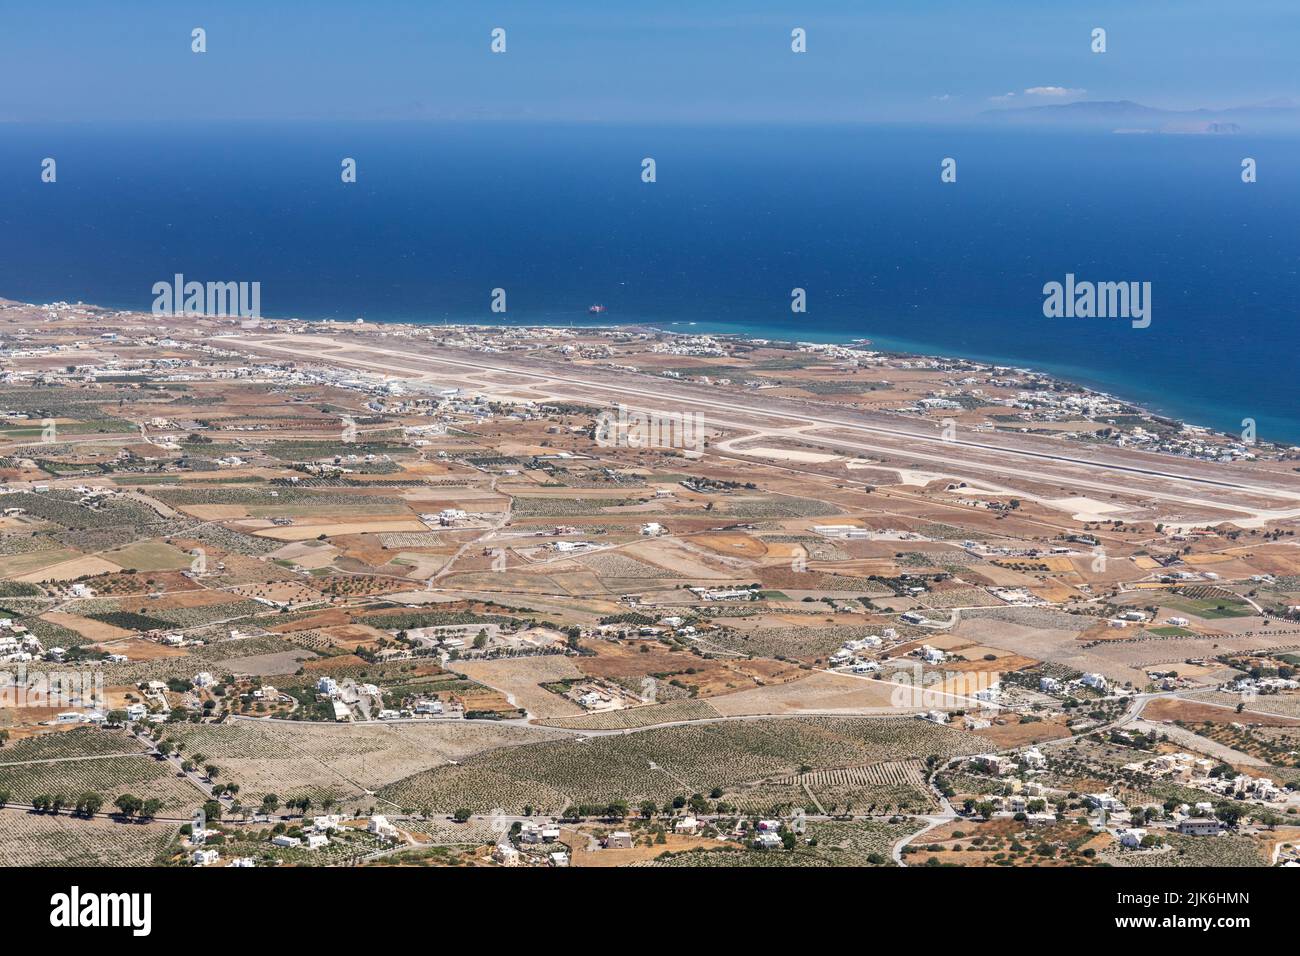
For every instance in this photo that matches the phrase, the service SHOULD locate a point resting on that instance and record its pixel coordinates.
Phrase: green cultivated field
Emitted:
(1211, 608)
(150, 556)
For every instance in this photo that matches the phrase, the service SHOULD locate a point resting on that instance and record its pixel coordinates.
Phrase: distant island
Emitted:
(1127, 116)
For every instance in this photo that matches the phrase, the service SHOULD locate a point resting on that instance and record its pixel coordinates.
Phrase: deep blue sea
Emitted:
(558, 216)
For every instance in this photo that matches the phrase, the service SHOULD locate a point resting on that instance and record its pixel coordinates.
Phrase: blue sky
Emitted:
(662, 61)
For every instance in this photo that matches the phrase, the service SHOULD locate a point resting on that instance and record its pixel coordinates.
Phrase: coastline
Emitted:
(1077, 377)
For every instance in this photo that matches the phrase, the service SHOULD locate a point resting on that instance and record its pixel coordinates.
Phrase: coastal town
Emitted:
(288, 593)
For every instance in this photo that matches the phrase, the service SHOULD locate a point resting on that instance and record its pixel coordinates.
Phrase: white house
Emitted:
(505, 854)
(1033, 759)
(1104, 801)
(593, 699)
(1132, 838)
(932, 655)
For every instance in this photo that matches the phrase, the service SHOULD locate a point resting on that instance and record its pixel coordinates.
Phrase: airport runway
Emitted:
(1172, 484)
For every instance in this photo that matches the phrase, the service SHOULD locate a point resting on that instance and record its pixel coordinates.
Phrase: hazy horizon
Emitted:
(580, 62)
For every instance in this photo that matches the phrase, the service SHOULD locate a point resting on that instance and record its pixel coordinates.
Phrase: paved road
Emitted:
(202, 783)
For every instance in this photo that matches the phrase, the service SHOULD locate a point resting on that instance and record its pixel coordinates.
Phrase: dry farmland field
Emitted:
(401, 569)
(520, 679)
(662, 763)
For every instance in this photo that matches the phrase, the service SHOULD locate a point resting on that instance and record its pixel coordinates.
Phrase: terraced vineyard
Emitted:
(667, 762)
(108, 777)
(888, 773)
(886, 787)
(70, 743)
(881, 787)
(337, 761)
(29, 839)
(766, 799)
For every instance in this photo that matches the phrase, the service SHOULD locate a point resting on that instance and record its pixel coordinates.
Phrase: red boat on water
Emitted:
(596, 309)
